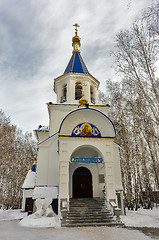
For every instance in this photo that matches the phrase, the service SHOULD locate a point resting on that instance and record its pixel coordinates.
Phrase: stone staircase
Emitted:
(88, 212)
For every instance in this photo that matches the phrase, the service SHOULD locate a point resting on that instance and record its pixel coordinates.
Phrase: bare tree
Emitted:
(135, 106)
(16, 157)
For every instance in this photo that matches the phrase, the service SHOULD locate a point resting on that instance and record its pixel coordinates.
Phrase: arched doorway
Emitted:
(82, 183)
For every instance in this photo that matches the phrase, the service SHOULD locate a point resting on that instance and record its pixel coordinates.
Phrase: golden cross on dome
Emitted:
(82, 85)
(76, 26)
(82, 101)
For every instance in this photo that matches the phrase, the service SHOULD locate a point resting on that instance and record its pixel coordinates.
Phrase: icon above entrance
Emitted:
(86, 130)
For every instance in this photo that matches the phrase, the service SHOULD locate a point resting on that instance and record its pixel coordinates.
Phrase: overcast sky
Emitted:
(36, 45)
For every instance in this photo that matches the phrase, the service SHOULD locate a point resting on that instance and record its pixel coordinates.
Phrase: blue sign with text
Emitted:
(86, 160)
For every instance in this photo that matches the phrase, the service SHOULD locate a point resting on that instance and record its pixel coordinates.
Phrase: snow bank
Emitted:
(29, 181)
(141, 218)
(43, 222)
(11, 214)
(31, 220)
(44, 217)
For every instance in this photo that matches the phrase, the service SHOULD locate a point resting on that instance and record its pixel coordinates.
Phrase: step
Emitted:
(91, 224)
(88, 212)
(76, 209)
(87, 205)
(88, 220)
(78, 200)
(86, 202)
(89, 217)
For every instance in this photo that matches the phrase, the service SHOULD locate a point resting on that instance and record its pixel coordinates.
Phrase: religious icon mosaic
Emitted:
(86, 130)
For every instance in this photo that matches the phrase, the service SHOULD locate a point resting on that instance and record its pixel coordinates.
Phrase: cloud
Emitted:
(36, 47)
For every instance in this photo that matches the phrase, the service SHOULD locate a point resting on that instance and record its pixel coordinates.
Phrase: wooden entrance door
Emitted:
(29, 205)
(82, 183)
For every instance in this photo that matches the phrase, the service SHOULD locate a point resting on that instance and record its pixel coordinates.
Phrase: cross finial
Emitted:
(76, 26)
(82, 101)
(82, 85)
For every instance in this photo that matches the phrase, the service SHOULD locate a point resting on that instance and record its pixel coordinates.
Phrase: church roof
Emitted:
(76, 64)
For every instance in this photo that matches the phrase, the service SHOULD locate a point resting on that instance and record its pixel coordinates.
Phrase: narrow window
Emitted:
(64, 93)
(78, 91)
(92, 95)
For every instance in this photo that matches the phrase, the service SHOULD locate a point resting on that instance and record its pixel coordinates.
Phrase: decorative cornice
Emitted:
(64, 136)
(72, 73)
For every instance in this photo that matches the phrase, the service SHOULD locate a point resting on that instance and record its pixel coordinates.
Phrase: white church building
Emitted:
(77, 156)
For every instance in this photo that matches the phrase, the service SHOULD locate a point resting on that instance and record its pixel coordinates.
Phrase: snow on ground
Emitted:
(11, 214)
(31, 220)
(142, 218)
(11, 230)
(42, 222)
(33, 228)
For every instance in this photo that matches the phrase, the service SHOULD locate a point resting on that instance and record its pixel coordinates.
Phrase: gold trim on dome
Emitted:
(66, 66)
(76, 39)
(80, 57)
(73, 62)
(82, 102)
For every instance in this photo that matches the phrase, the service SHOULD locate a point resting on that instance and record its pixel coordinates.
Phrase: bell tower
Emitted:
(76, 85)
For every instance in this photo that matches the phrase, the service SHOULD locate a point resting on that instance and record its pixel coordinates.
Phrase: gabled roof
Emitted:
(76, 64)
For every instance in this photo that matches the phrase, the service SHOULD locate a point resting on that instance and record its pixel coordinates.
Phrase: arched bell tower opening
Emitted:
(82, 183)
(64, 94)
(78, 91)
(92, 95)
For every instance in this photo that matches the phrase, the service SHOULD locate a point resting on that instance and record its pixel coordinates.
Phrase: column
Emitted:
(71, 92)
(87, 91)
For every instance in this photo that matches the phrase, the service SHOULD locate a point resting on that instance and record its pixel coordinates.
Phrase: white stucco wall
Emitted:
(70, 79)
(57, 112)
(54, 167)
(41, 135)
(92, 116)
(48, 163)
(105, 149)
(117, 167)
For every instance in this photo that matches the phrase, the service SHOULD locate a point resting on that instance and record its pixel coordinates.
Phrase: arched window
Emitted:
(92, 95)
(64, 93)
(78, 91)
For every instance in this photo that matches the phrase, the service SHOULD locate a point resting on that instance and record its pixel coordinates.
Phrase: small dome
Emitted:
(76, 39)
(82, 101)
